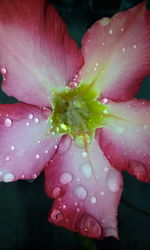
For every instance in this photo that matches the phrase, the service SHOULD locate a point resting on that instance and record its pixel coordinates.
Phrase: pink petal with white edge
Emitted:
(25, 143)
(126, 138)
(36, 52)
(86, 190)
(116, 53)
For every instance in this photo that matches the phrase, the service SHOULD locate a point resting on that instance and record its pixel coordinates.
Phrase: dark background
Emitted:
(24, 206)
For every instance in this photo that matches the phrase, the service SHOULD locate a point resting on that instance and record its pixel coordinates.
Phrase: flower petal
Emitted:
(126, 138)
(116, 53)
(36, 52)
(86, 188)
(25, 146)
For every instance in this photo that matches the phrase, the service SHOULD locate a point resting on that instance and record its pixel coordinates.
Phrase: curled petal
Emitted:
(25, 143)
(86, 190)
(36, 52)
(116, 53)
(125, 139)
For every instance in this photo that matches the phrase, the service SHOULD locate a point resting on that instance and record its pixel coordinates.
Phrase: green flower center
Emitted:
(77, 112)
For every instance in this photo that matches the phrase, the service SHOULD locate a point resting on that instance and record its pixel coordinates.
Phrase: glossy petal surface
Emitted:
(126, 138)
(36, 52)
(25, 145)
(116, 53)
(86, 190)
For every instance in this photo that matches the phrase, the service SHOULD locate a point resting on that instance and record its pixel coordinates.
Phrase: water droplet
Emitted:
(138, 170)
(134, 46)
(65, 178)
(113, 181)
(84, 154)
(104, 100)
(7, 123)
(46, 151)
(106, 169)
(110, 32)
(102, 193)
(88, 226)
(122, 29)
(28, 124)
(56, 216)
(36, 120)
(86, 170)
(30, 116)
(34, 176)
(22, 176)
(7, 158)
(93, 200)
(123, 49)
(3, 70)
(78, 209)
(80, 192)
(64, 206)
(37, 156)
(12, 147)
(103, 43)
(56, 192)
(105, 21)
(65, 144)
(8, 177)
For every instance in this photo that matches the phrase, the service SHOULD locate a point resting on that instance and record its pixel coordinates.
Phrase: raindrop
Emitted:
(106, 169)
(34, 176)
(12, 147)
(64, 206)
(8, 177)
(104, 100)
(93, 200)
(84, 154)
(86, 170)
(65, 178)
(145, 126)
(105, 21)
(36, 120)
(7, 123)
(30, 116)
(56, 216)
(122, 29)
(88, 226)
(123, 49)
(134, 46)
(78, 209)
(28, 124)
(80, 192)
(7, 158)
(113, 181)
(102, 192)
(138, 170)
(3, 71)
(46, 151)
(37, 156)
(110, 32)
(56, 192)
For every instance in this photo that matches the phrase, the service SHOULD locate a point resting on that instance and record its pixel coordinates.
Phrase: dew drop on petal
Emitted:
(3, 70)
(105, 21)
(113, 181)
(64, 145)
(56, 216)
(86, 170)
(36, 120)
(30, 116)
(65, 178)
(84, 154)
(8, 177)
(110, 32)
(138, 170)
(7, 158)
(88, 226)
(37, 156)
(7, 123)
(34, 176)
(12, 147)
(93, 200)
(56, 192)
(80, 192)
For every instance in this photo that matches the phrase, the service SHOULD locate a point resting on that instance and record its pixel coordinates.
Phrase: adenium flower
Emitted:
(78, 120)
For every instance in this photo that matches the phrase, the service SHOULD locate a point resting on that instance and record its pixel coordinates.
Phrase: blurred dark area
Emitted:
(24, 206)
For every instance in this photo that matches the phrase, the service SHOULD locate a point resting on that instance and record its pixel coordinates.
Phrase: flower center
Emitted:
(77, 112)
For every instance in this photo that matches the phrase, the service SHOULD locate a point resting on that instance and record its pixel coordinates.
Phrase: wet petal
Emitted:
(86, 190)
(36, 52)
(116, 53)
(126, 138)
(25, 145)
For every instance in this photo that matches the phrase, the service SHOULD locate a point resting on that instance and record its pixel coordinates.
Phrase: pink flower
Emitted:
(78, 120)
